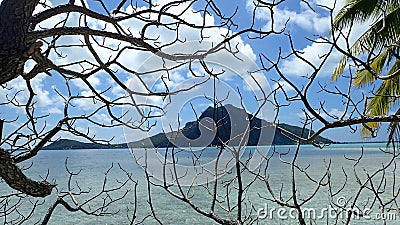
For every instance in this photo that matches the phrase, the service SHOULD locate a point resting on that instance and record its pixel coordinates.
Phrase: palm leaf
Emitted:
(370, 40)
(362, 78)
(360, 10)
(395, 69)
(383, 35)
(384, 32)
(367, 127)
(365, 77)
(394, 129)
(355, 11)
(386, 95)
(339, 68)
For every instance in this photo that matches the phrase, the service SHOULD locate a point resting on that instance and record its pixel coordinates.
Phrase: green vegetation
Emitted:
(64, 144)
(191, 131)
(380, 50)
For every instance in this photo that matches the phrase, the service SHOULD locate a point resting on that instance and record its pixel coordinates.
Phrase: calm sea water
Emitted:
(92, 165)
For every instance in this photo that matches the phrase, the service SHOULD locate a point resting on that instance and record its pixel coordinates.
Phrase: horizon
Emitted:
(300, 26)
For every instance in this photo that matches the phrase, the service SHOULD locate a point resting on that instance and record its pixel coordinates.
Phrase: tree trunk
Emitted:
(15, 18)
(1, 128)
(14, 177)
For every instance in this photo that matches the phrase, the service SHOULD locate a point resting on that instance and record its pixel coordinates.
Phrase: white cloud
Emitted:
(42, 96)
(306, 19)
(171, 81)
(94, 80)
(117, 91)
(89, 102)
(302, 17)
(135, 84)
(285, 85)
(135, 60)
(54, 110)
(102, 118)
(333, 112)
(314, 54)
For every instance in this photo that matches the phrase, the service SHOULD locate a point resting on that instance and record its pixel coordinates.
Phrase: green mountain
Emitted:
(230, 122)
(63, 144)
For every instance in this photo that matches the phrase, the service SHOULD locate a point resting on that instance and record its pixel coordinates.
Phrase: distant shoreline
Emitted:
(125, 146)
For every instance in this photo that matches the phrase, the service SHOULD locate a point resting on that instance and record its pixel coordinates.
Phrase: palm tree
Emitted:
(381, 41)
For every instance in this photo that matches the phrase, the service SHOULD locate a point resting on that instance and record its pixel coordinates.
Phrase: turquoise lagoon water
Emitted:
(93, 164)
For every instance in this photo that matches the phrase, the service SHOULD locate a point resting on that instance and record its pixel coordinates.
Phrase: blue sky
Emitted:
(303, 23)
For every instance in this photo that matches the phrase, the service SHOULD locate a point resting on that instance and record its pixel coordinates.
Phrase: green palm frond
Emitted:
(395, 69)
(384, 32)
(339, 68)
(365, 77)
(354, 11)
(389, 33)
(394, 129)
(360, 10)
(367, 127)
(382, 38)
(386, 95)
(380, 103)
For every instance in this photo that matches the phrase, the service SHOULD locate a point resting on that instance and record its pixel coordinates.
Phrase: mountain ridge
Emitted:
(192, 134)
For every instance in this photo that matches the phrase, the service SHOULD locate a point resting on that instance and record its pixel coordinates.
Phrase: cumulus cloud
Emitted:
(285, 85)
(301, 16)
(89, 102)
(136, 60)
(103, 118)
(18, 88)
(313, 53)
(94, 80)
(333, 112)
(54, 110)
(305, 19)
(220, 61)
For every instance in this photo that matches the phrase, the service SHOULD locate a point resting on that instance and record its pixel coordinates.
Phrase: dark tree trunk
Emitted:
(15, 18)
(14, 177)
(17, 180)
(1, 128)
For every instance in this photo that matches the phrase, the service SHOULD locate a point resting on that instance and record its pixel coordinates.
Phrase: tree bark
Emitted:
(15, 47)
(1, 128)
(14, 177)
(15, 16)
